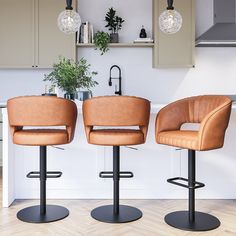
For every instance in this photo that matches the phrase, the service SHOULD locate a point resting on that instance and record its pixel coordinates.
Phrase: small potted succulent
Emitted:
(101, 40)
(71, 77)
(114, 24)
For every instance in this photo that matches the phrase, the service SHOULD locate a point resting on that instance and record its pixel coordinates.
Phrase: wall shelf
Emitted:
(120, 45)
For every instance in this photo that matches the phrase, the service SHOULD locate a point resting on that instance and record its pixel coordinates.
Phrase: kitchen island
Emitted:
(81, 163)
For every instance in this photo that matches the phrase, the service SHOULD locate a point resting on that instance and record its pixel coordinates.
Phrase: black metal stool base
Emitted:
(202, 222)
(126, 214)
(32, 214)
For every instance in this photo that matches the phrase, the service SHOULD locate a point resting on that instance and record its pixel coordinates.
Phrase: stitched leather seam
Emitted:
(216, 111)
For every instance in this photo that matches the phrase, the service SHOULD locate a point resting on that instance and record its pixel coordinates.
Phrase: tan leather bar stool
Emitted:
(26, 113)
(116, 111)
(213, 113)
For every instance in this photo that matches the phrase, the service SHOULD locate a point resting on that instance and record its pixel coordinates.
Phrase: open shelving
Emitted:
(125, 45)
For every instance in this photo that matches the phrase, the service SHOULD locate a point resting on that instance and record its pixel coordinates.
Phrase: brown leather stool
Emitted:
(116, 111)
(213, 113)
(41, 111)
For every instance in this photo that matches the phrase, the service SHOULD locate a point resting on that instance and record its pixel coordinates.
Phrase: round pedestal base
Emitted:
(203, 221)
(126, 214)
(32, 214)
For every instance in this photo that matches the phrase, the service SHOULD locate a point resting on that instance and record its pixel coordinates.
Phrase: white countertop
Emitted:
(154, 106)
(3, 104)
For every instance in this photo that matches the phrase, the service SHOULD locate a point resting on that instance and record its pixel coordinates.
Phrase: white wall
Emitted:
(205, 16)
(20, 82)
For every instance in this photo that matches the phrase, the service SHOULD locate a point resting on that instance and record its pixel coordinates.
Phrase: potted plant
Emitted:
(114, 24)
(101, 40)
(71, 76)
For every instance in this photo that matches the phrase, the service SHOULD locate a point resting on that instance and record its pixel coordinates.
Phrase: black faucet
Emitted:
(118, 92)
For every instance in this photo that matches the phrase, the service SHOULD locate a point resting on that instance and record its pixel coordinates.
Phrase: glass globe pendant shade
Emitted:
(69, 21)
(170, 21)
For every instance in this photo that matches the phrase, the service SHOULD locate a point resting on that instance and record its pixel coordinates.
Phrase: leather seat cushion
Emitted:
(41, 137)
(116, 137)
(179, 138)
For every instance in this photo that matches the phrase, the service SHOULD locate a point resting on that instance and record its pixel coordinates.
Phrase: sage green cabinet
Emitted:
(16, 33)
(51, 41)
(174, 50)
(29, 34)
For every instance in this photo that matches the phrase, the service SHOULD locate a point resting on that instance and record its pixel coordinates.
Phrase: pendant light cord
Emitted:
(69, 5)
(170, 5)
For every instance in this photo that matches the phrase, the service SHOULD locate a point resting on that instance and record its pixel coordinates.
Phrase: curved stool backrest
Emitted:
(116, 111)
(42, 111)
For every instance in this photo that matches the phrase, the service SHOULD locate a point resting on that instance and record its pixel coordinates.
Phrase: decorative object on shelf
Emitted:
(85, 33)
(143, 40)
(121, 45)
(143, 33)
(69, 21)
(50, 91)
(101, 40)
(114, 24)
(70, 76)
(170, 21)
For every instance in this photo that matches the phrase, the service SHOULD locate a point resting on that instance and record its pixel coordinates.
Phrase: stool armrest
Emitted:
(144, 130)
(172, 116)
(212, 129)
(88, 129)
(13, 129)
(71, 132)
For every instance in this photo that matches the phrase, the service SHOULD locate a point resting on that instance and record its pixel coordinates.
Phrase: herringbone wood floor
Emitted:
(79, 221)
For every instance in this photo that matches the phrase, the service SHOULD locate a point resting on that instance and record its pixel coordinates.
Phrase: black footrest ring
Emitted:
(109, 174)
(176, 179)
(50, 174)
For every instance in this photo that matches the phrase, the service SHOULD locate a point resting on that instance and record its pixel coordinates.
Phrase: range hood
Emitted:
(223, 32)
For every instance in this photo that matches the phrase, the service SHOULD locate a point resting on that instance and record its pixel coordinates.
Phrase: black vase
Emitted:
(70, 96)
(84, 95)
(114, 38)
(143, 34)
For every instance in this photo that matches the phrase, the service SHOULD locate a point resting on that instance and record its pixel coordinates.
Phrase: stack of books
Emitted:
(85, 34)
(143, 40)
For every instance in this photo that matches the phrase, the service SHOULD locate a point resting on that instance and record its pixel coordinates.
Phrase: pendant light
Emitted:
(170, 21)
(69, 21)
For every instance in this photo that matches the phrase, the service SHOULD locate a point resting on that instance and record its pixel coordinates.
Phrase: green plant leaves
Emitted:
(114, 22)
(101, 40)
(70, 76)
